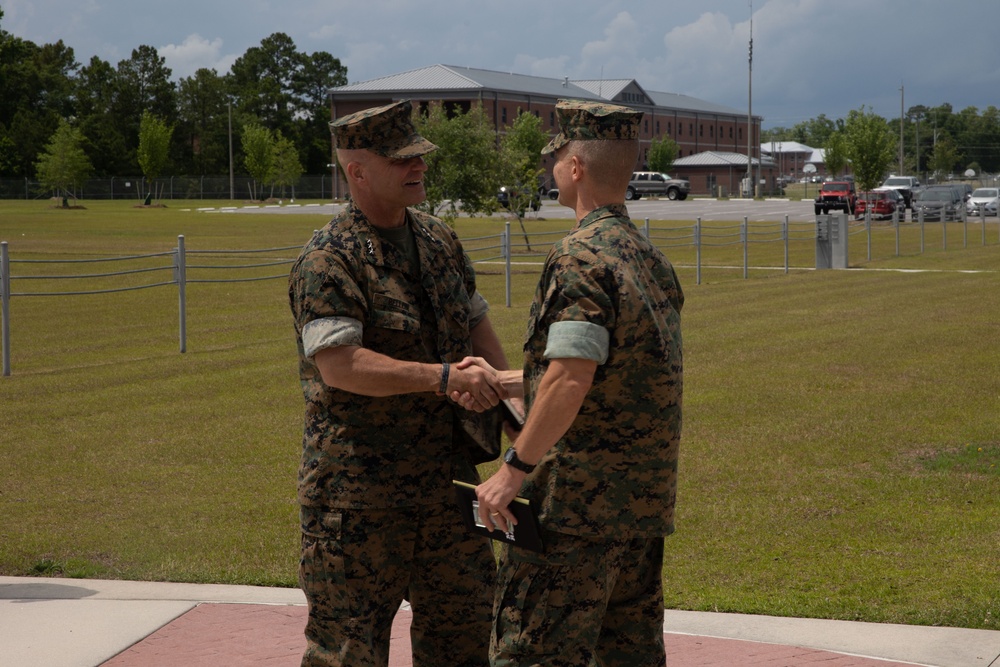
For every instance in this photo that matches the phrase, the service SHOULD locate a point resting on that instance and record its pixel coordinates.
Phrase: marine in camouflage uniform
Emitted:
(605, 318)
(379, 520)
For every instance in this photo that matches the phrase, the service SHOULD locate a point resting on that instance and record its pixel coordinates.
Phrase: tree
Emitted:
(202, 136)
(286, 168)
(96, 91)
(36, 92)
(464, 167)
(662, 153)
(261, 81)
(142, 83)
(944, 157)
(871, 147)
(154, 147)
(835, 154)
(63, 166)
(319, 73)
(258, 150)
(520, 158)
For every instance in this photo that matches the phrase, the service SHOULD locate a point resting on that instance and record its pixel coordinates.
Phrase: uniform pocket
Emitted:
(321, 566)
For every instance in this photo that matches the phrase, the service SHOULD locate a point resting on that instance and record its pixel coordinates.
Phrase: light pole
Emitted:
(750, 182)
(900, 129)
(232, 190)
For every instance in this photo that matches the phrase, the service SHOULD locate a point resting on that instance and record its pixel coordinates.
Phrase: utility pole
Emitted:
(901, 129)
(232, 191)
(750, 182)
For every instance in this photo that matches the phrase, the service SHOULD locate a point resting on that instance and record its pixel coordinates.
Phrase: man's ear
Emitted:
(355, 171)
(576, 167)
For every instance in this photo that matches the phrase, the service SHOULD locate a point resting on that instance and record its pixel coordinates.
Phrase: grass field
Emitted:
(840, 456)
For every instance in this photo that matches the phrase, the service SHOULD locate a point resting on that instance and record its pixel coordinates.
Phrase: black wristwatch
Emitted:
(511, 459)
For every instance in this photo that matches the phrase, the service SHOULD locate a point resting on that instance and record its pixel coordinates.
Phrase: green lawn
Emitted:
(841, 448)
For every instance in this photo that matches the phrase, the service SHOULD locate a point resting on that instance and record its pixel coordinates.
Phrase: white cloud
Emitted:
(195, 53)
(614, 55)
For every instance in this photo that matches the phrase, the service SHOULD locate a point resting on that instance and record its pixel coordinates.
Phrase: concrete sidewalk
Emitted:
(48, 622)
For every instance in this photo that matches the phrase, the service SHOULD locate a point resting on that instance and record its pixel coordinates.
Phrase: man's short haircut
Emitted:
(608, 160)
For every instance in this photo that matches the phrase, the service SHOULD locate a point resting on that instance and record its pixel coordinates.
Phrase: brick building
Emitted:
(696, 125)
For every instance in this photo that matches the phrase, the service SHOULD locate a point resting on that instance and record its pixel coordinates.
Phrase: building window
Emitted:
(657, 128)
(669, 127)
(691, 129)
(730, 131)
(680, 130)
(711, 131)
(503, 115)
(645, 127)
(701, 130)
(552, 119)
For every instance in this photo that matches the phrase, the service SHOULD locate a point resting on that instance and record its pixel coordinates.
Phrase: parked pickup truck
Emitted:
(908, 186)
(836, 196)
(645, 183)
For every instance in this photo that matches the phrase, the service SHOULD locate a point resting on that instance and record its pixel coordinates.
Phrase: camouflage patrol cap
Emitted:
(582, 121)
(387, 131)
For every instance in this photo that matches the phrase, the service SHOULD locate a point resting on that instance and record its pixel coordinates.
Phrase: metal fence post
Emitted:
(697, 248)
(180, 275)
(784, 236)
(506, 255)
(944, 231)
(5, 305)
(744, 232)
(647, 228)
(868, 229)
(895, 223)
(920, 217)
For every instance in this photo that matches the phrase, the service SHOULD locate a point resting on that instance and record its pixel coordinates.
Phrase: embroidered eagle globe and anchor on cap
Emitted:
(386, 130)
(582, 121)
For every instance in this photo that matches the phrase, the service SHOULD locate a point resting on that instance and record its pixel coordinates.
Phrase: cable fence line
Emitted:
(686, 244)
(321, 186)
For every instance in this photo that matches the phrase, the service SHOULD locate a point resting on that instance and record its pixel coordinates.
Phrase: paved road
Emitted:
(772, 210)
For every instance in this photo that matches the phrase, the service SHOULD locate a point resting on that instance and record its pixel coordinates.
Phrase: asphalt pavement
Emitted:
(766, 210)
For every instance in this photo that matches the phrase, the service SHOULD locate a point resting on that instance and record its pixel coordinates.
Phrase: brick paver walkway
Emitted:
(236, 635)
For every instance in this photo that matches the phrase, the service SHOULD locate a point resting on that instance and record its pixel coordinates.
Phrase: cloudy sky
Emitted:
(810, 57)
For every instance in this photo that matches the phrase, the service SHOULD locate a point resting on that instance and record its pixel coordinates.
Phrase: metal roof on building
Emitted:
(678, 101)
(452, 78)
(775, 147)
(717, 159)
(440, 78)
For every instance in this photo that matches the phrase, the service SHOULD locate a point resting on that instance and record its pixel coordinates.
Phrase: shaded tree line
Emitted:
(272, 86)
(935, 140)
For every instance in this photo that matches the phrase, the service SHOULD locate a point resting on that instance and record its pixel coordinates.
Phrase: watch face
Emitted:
(511, 458)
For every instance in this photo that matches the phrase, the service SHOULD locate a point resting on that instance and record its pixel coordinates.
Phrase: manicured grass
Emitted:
(841, 447)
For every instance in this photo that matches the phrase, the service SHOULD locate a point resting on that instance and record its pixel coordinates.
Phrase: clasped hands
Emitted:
(475, 385)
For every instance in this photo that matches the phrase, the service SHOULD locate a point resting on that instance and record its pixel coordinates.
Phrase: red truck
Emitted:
(836, 196)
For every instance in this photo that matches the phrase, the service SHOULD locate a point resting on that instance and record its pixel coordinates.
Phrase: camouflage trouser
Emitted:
(358, 565)
(583, 602)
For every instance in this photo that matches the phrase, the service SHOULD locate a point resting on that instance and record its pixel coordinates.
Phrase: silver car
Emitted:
(983, 202)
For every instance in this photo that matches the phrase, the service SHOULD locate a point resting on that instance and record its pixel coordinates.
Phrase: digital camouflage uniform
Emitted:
(605, 492)
(379, 523)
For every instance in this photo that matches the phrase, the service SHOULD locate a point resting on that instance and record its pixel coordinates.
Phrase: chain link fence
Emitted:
(177, 187)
